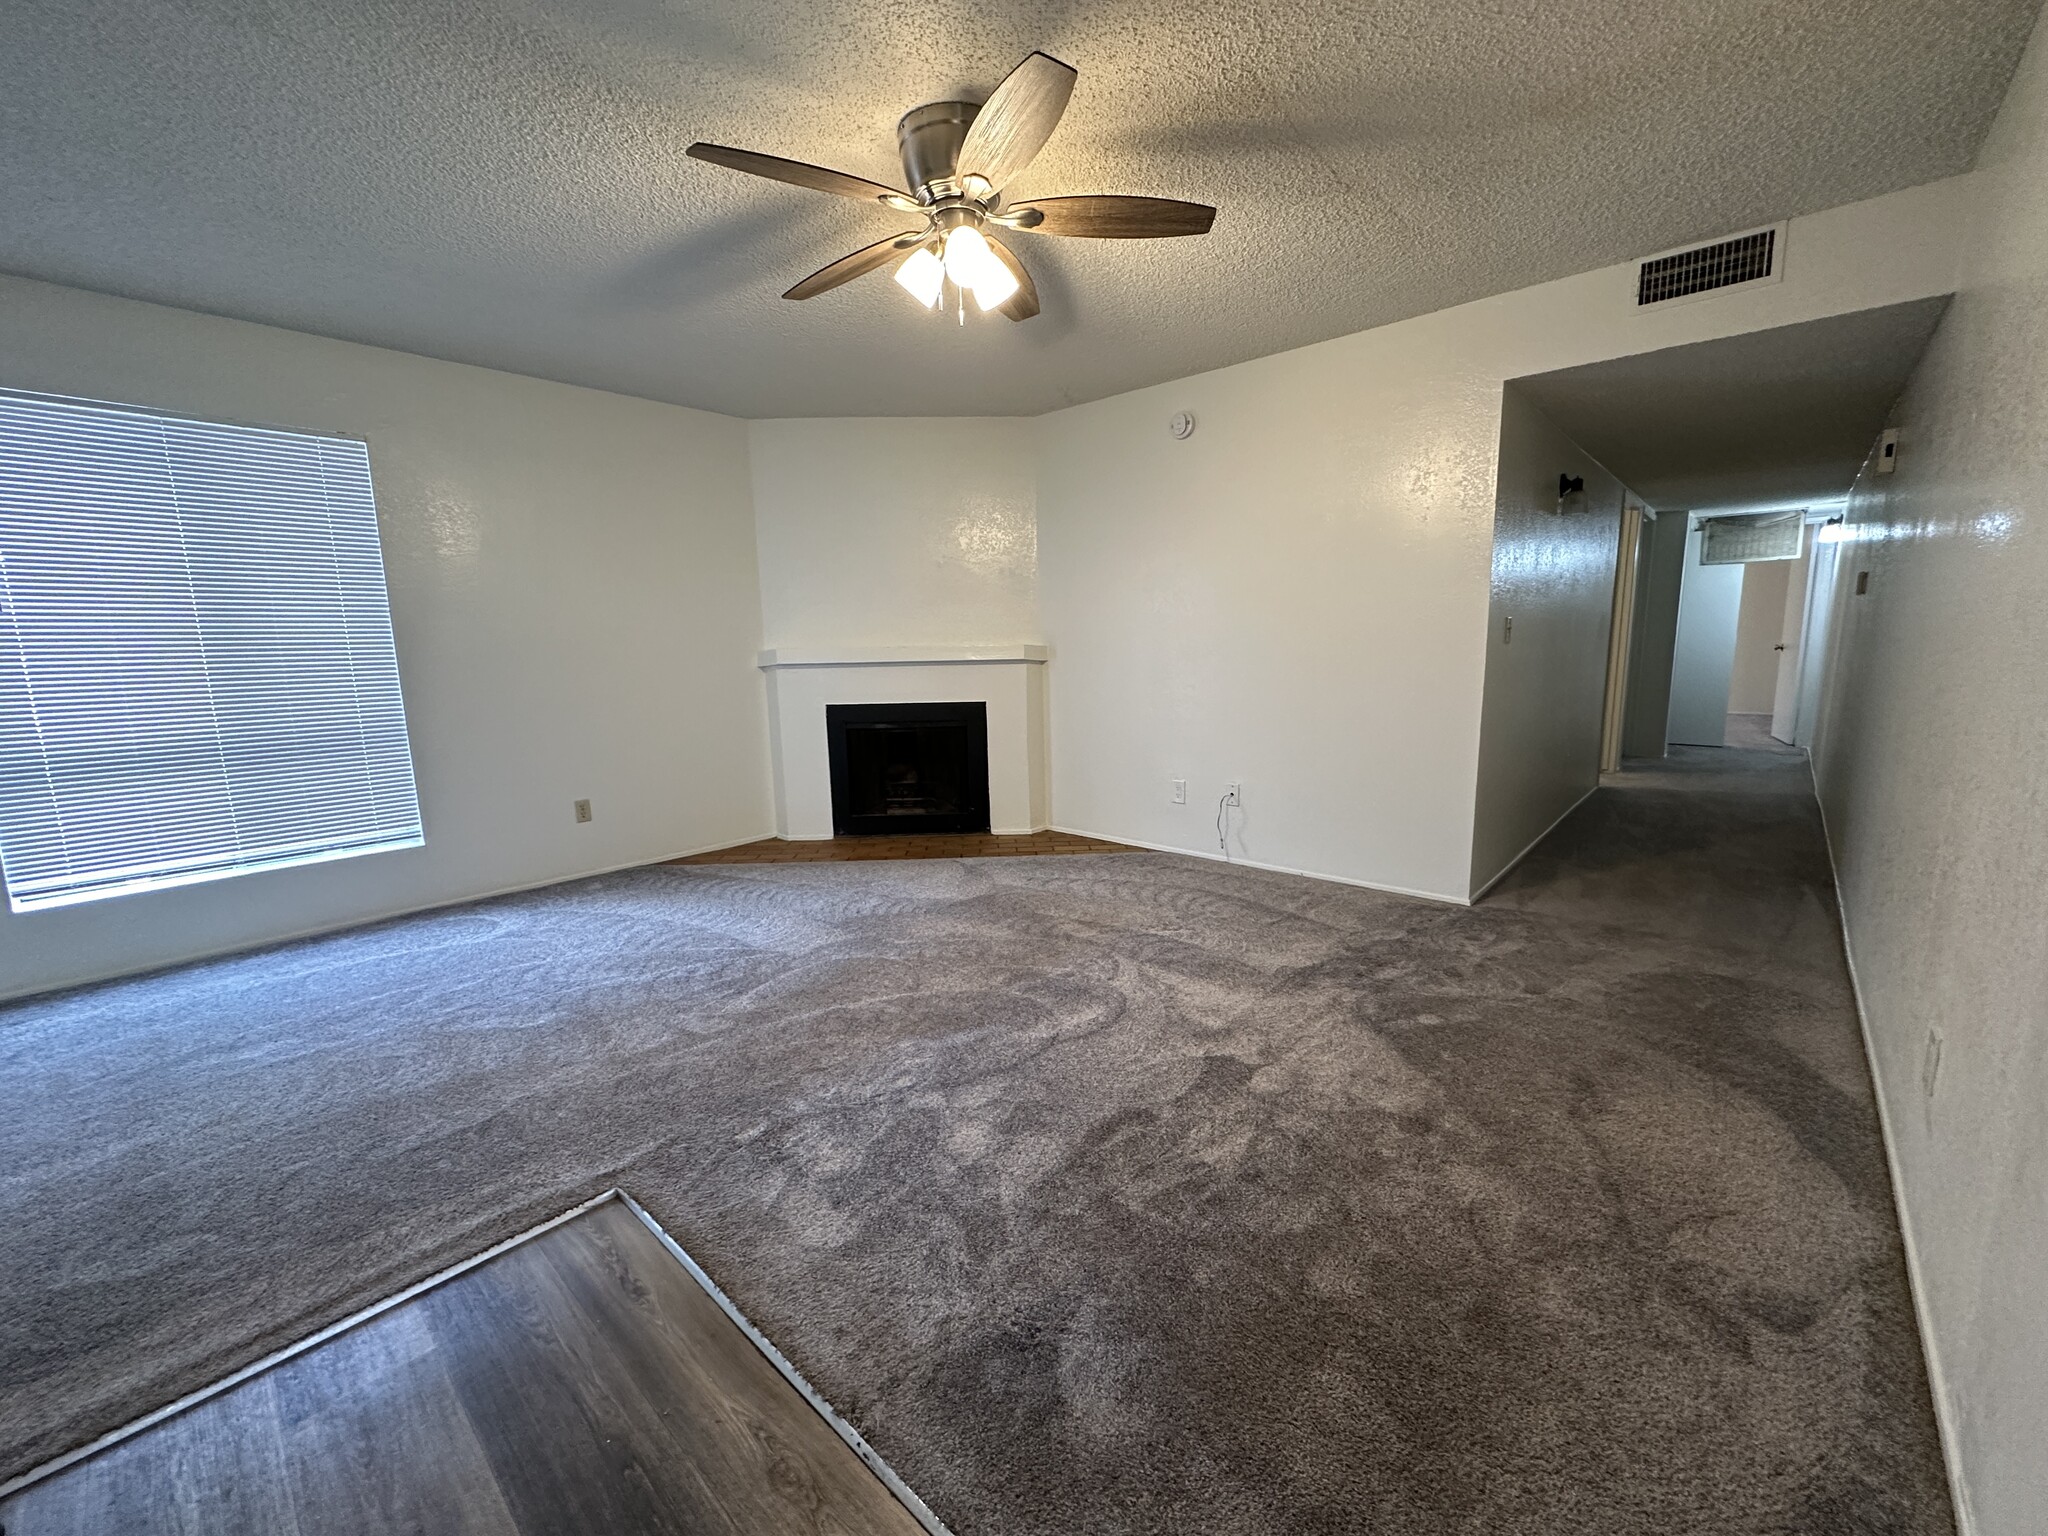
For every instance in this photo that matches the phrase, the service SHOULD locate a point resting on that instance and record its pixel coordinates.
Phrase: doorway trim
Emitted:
(1621, 623)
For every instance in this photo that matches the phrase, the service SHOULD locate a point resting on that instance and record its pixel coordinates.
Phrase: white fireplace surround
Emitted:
(1009, 679)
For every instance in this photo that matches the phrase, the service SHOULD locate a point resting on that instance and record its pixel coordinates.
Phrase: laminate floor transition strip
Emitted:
(586, 1376)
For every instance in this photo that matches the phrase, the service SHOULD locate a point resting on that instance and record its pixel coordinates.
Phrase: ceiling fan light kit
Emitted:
(958, 157)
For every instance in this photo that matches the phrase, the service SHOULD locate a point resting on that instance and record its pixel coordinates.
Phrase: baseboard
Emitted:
(1930, 1349)
(1274, 869)
(1508, 868)
(382, 915)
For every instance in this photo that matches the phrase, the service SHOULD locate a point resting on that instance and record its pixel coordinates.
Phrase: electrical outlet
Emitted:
(583, 810)
(1180, 791)
(1232, 793)
(1507, 630)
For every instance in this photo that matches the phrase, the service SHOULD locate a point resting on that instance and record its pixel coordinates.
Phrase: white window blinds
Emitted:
(196, 668)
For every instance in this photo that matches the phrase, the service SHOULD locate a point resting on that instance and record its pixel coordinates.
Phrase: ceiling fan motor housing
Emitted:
(929, 138)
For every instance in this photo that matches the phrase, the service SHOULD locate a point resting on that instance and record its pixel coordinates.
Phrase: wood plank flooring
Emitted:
(579, 1382)
(935, 845)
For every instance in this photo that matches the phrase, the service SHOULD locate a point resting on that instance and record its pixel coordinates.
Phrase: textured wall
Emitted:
(573, 592)
(1296, 596)
(894, 532)
(1932, 771)
(1931, 763)
(1553, 573)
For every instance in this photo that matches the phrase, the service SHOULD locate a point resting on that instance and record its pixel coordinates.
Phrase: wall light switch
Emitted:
(583, 810)
(1180, 791)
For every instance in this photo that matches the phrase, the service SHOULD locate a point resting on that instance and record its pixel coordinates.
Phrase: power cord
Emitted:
(1223, 825)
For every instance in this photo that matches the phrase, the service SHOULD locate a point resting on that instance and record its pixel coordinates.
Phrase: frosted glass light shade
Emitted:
(923, 277)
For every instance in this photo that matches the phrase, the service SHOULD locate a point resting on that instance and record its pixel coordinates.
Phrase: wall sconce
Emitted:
(1569, 486)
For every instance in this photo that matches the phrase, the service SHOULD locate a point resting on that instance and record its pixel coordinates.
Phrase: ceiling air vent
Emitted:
(1739, 261)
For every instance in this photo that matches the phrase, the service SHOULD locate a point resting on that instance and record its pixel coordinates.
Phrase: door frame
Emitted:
(1621, 623)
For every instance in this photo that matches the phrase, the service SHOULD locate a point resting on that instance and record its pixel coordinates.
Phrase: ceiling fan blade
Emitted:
(1110, 218)
(1022, 304)
(798, 174)
(860, 263)
(1014, 123)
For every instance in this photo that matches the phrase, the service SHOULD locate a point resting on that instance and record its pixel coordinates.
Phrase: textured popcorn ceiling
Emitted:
(1770, 418)
(505, 183)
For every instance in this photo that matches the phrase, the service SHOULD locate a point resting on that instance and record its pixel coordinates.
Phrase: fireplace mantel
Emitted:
(803, 681)
(901, 656)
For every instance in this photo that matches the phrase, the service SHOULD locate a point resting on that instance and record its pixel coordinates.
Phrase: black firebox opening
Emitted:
(901, 768)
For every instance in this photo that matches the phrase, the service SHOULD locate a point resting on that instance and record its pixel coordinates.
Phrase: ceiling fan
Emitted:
(958, 158)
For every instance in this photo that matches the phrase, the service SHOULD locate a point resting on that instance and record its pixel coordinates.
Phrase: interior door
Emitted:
(1620, 629)
(1791, 644)
(1703, 660)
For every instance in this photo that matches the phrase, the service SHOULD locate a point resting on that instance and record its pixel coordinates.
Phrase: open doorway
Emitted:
(1760, 431)
(1742, 643)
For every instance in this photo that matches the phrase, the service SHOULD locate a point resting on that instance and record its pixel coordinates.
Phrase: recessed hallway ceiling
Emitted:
(504, 183)
(1770, 418)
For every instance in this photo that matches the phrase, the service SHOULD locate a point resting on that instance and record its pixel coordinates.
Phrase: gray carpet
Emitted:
(1132, 1194)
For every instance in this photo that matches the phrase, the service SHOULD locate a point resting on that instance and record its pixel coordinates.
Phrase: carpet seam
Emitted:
(235, 1378)
(871, 1458)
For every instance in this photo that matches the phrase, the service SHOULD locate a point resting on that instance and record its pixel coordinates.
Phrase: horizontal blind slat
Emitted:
(197, 674)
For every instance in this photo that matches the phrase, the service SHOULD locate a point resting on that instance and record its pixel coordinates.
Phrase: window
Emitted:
(197, 676)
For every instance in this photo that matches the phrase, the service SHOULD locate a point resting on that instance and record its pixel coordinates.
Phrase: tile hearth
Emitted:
(945, 845)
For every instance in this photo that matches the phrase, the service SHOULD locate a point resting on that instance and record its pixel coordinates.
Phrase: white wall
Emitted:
(1759, 631)
(573, 591)
(881, 536)
(1546, 678)
(896, 531)
(1011, 691)
(1703, 660)
(1933, 766)
(1297, 595)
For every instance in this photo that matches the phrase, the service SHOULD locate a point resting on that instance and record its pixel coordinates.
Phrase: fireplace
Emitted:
(905, 768)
